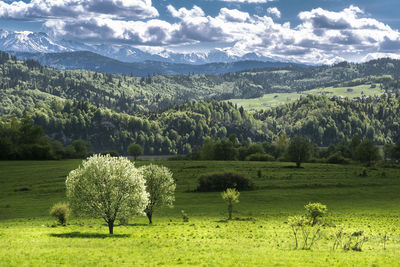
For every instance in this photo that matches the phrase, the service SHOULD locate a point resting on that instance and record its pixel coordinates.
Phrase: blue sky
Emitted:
(324, 31)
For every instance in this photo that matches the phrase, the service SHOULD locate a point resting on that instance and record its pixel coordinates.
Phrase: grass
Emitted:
(275, 99)
(258, 235)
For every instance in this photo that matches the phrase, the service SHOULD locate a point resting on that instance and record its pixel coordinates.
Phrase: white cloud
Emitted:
(274, 12)
(50, 9)
(233, 15)
(321, 37)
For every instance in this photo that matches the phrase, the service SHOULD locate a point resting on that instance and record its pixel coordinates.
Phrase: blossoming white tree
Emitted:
(161, 188)
(107, 187)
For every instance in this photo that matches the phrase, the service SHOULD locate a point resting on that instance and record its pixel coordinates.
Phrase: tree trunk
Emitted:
(150, 216)
(230, 212)
(111, 227)
(298, 164)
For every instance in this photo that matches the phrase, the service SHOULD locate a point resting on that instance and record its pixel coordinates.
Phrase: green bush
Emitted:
(260, 157)
(60, 211)
(211, 182)
(337, 158)
(315, 211)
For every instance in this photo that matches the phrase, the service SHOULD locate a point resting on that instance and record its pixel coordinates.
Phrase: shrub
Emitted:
(302, 227)
(355, 241)
(337, 158)
(260, 157)
(185, 217)
(315, 211)
(231, 196)
(60, 211)
(212, 182)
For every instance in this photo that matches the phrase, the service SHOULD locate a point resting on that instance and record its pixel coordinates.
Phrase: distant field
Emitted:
(272, 100)
(259, 235)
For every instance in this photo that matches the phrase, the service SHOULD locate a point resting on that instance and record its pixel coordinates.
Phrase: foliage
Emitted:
(160, 186)
(230, 196)
(302, 227)
(61, 212)
(355, 241)
(135, 150)
(106, 187)
(315, 211)
(299, 150)
(367, 151)
(260, 157)
(328, 121)
(219, 181)
(337, 158)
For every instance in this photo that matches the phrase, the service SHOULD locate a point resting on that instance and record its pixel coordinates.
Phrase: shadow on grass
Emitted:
(136, 224)
(88, 235)
(249, 219)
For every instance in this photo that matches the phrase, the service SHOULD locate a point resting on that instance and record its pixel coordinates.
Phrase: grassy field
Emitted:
(271, 100)
(258, 235)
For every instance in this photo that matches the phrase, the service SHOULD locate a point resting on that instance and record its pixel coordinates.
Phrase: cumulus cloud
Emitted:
(274, 12)
(50, 9)
(322, 36)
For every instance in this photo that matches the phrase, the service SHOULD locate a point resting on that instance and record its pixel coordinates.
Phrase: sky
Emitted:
(309, 31)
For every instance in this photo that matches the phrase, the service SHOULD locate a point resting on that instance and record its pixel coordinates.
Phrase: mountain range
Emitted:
(39, 42)
(91, 61)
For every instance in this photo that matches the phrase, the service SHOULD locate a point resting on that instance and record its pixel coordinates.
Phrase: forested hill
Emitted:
(28, 84)
(327, 121)
(176, 130)
(181, 129)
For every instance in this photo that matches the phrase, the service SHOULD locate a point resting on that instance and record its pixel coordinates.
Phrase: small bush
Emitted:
(303, 229)
(212, 182)
(337, 158)
(260, 157)
(315, 211)
(230, 196)
(185, 217)
(355, 241)
(60, 211)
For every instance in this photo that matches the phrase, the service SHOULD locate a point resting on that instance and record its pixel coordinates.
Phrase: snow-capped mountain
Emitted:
(33, 42)
(26, 41)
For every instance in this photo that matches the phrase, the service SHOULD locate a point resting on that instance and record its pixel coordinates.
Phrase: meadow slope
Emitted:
(258, 235)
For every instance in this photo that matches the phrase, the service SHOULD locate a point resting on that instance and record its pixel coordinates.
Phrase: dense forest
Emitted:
(29, 84)
(328, 121)
(181, 129)
(174, 114)
(177, 130)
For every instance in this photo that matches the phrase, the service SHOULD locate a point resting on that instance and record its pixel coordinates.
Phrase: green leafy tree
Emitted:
(107, 187)
(367, 151)
(395, 153)
(299, 150)
(231, 196)
(135, 150)
(81, 148)
(161, 188)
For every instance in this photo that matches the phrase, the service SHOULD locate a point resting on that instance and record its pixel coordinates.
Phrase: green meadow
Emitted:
(276, 99)
(257, 236)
